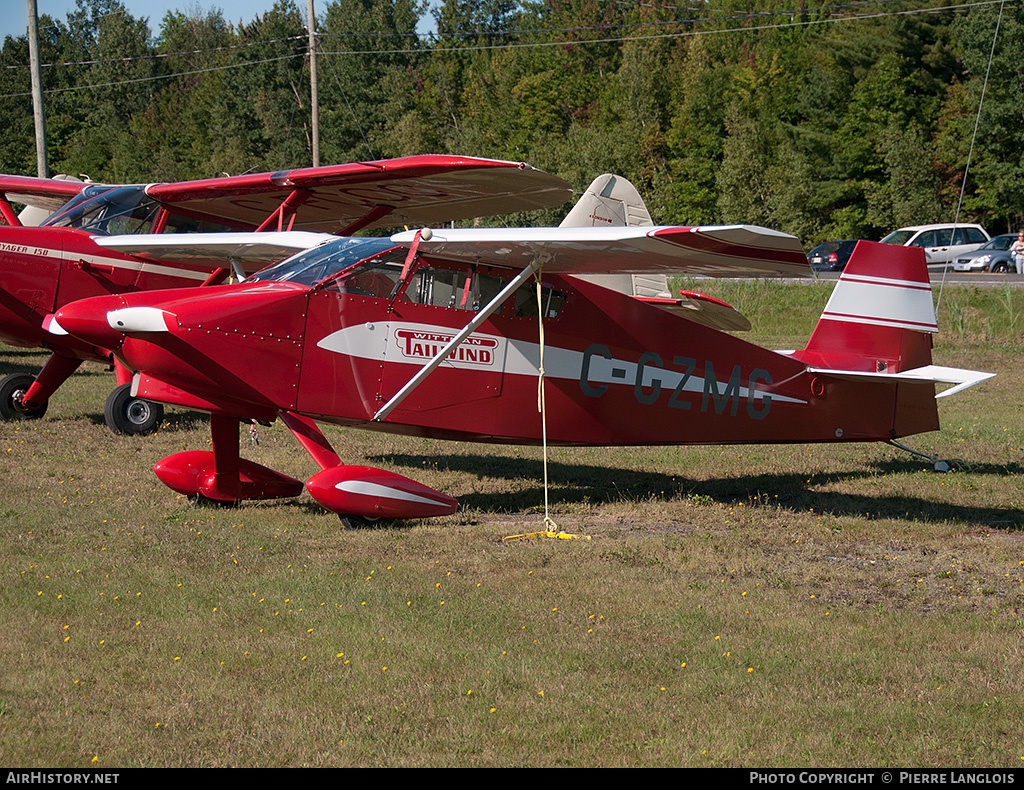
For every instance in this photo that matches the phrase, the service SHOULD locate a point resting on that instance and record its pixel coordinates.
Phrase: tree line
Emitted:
(825, 121)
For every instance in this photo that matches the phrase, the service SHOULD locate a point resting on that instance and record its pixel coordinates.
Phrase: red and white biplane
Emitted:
(61, 260)
(442, 333)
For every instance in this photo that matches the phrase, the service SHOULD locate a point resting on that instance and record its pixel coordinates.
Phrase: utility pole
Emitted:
(314, 100)
(38, 113)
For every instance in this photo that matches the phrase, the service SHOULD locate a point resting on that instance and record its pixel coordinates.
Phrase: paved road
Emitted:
(960, 278)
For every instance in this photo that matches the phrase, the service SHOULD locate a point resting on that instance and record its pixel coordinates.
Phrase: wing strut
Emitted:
(286, 210)
(7, 211)
(372, 215)
(456, 341)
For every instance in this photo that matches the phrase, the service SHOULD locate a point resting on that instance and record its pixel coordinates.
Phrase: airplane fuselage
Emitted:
(617, 371)
(44, 268)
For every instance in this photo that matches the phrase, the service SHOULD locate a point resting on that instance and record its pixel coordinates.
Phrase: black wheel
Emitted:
(1000, 268)
(351, 521)
(131, 416)
(12, 390)
(203, 501)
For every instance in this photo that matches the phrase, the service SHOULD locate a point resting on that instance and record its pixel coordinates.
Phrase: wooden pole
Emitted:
(314, 100)
(38, 113)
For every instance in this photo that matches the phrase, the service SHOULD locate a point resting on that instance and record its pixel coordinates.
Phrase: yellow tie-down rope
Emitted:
(551, 528)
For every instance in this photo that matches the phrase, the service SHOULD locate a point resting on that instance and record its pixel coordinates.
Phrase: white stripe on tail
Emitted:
(879, 321)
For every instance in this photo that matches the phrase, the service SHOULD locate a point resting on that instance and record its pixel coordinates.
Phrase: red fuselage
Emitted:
(617, 371)
(44, 268)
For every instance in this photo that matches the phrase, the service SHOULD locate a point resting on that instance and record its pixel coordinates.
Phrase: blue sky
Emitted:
(14, 21)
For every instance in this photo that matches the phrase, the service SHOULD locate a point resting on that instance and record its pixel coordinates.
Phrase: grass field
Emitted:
(735, 606)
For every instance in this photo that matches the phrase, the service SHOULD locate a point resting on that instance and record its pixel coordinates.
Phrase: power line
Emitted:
(155, 55)
(432, 50)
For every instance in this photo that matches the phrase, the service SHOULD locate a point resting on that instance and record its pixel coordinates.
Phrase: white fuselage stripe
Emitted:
(130, 265)
(520, 358)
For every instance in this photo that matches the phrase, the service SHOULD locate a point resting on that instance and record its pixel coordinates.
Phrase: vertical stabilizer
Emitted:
(880, 316)
(609, 201)
(612, 201)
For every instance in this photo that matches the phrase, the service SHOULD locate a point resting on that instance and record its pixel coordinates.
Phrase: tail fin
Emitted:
(880, 316)
(879, 321)
(609, 201)
(612, 201)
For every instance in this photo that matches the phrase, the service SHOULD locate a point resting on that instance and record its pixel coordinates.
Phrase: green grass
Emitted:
(736, 606)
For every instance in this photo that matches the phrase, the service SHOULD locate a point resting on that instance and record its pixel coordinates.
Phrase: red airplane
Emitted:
(440, 333)
(45, 267)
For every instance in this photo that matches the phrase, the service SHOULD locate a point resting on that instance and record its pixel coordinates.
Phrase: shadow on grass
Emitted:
(582, 483)
(31, 362)
(173, 421)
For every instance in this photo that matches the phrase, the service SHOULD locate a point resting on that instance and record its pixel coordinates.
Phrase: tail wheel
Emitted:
(12, 390)
(131, 416)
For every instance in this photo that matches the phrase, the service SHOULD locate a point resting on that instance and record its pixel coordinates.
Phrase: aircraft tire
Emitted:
(131, 416)
(202, 501)
(352, 521)
(12, 387)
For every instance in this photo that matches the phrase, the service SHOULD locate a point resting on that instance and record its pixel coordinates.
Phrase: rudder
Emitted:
(880, 316)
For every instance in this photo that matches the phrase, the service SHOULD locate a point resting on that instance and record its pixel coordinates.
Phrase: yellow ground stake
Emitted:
(548, 534)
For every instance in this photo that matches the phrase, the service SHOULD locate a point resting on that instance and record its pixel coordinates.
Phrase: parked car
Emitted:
(941, 243)
(831, 256)
(993, 256)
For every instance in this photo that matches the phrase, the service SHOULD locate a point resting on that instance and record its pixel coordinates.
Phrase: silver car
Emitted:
(941, 243)
(993, 256)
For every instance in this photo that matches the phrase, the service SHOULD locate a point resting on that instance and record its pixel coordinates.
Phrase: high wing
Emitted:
(414, 190)
(719, 251)
(252, 251)
(48, 194)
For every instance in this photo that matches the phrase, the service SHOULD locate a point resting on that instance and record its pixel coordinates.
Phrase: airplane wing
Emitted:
(414, 190)
(252, 250)
(718, 251)
(48, 194)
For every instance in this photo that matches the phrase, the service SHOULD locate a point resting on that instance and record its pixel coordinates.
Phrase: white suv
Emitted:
(941, 243)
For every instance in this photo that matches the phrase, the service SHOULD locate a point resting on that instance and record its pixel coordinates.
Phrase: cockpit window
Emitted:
(109, 212)
(319, 263)
(115, 211)
(69, 215)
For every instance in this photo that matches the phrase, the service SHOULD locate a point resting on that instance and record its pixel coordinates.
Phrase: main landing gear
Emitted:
(12, 394)
(25, 397)
(361, 496)
(131, 416)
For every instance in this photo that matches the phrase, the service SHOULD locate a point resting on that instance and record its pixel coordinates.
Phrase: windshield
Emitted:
(106, 211)
(898, 237)
(112, 211)
(999, 243)
(319, 263)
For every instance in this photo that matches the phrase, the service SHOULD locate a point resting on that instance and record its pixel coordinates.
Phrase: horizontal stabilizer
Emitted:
(718, 251)
(704, 310)
(938, 374)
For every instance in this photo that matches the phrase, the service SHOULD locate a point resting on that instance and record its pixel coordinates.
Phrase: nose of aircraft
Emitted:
(88, 320)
